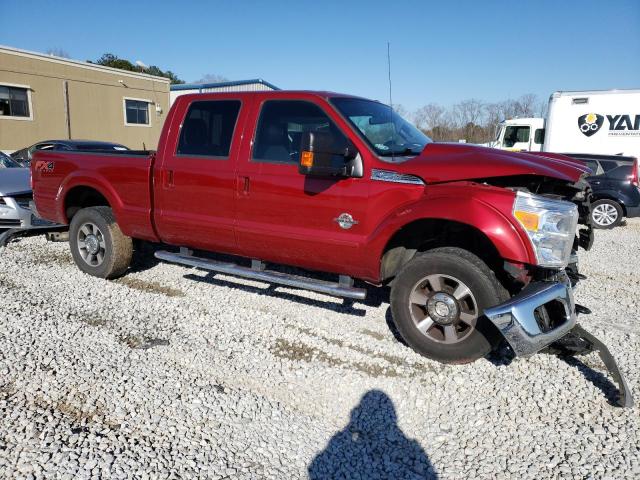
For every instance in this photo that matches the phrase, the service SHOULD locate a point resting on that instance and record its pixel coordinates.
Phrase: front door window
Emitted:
(280, 129)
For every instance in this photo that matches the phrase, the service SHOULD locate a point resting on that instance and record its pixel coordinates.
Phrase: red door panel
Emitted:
(196, 201)
(289, 218)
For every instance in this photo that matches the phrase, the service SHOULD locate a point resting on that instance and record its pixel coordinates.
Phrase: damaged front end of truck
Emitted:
(551, 211)
(543, 315)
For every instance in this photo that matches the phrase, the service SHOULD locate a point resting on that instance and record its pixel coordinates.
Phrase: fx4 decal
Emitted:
(44, 166)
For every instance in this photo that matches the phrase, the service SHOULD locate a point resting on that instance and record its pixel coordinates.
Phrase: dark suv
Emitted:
(616, 193)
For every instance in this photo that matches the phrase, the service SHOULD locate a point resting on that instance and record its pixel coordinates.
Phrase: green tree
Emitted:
(113, 61)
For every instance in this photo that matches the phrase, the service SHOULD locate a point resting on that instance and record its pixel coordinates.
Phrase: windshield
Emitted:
(386, 132)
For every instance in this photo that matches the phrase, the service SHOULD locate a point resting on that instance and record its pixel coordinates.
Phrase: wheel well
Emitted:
(82, 197)
(426, 234)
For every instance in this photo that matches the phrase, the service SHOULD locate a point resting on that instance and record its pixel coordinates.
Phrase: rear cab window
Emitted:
(207, 129)
(280, 128)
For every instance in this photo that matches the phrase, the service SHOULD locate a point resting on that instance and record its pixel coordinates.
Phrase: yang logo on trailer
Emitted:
(590, 123)
(619, 125)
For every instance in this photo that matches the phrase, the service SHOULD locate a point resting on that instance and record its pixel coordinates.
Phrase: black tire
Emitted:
(115, 249)
(604, 210)
(454, 264)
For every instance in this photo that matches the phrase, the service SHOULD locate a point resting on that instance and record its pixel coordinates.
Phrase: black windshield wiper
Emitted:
(406, 151)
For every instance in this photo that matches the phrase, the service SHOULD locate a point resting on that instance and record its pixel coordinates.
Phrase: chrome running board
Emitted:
(343, 288)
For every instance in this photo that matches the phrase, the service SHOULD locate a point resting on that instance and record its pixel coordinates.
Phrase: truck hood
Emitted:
(14, 181)
(448, 162)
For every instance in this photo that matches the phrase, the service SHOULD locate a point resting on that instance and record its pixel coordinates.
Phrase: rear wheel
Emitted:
(98, 246)
(438, 300)
(606, 214)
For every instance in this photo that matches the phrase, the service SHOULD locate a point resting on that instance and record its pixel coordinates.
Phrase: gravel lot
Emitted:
(172, 373)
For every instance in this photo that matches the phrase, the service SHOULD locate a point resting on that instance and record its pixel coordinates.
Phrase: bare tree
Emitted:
(212, 78)
(468, 111)
(468, 116)
(493, 113)
(402, 111)
(474, 120)
(430, 116)
(527, 105)
(543, 108)
(57, 52)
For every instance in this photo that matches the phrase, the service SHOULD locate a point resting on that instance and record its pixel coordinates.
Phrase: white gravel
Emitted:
(160, 376)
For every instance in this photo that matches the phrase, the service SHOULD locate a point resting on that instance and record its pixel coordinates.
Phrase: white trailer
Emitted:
(605, 122)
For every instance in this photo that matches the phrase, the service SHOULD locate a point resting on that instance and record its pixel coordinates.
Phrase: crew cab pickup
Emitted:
(476, 244)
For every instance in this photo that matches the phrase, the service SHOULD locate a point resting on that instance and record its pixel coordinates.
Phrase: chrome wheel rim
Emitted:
(605, 214)
(91, 244)
(443, 308)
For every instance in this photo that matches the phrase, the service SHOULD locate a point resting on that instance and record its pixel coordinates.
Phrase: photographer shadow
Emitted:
(372, 446)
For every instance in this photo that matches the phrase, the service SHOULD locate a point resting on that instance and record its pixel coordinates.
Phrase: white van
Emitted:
(603, 122)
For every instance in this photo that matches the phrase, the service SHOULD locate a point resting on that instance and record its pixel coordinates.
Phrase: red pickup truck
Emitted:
(476, 244)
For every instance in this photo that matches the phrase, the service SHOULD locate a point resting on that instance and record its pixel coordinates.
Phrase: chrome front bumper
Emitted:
(519, 319)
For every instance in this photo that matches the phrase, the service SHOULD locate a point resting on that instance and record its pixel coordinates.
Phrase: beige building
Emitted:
(44, 98)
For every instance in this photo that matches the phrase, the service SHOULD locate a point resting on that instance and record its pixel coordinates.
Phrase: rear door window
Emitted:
(207, 130)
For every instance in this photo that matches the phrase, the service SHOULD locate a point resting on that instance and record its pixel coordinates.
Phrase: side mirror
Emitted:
(326, 154)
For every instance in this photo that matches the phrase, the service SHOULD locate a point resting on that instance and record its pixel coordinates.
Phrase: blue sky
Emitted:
(441, 52)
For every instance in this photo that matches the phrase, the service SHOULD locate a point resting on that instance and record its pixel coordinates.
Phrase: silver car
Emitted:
(15, 196)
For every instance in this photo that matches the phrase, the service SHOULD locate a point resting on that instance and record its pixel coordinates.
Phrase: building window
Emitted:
(15, 102)
(136, 112)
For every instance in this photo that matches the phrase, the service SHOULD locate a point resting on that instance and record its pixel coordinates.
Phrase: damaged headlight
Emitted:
(551, 226)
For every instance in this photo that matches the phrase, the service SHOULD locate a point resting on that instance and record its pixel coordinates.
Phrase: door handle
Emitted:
(168, 178)
(244, 185)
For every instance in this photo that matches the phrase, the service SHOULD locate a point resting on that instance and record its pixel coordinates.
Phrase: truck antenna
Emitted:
(389, 72)
(393, 126)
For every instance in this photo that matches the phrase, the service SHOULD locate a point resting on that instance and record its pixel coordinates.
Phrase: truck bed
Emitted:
(125, 183)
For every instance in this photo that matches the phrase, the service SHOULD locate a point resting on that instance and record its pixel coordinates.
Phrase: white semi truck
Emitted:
(604, 122)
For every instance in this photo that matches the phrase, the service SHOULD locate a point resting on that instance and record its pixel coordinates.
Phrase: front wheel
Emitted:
(98, 246)
(438, 301)
(606, 214)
